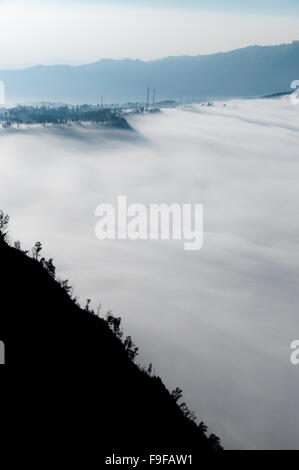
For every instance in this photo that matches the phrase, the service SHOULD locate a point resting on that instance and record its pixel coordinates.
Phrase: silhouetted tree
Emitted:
(4, 221)
(36, 250)
(187, 412)
(131, 348)
(215, 441)
(99, 309)
(17, 245)
(150, 369)
(114, 324)
(177, 394)
(49, 266)
(203, 427)
(66, 286)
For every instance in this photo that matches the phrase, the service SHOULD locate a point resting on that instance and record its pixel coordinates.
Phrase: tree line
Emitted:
(61, 115)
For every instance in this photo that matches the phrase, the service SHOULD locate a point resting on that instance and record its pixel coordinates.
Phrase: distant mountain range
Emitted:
(252, 71)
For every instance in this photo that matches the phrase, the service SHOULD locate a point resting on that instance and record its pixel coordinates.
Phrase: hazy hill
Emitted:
(252, 71)
(73, 381)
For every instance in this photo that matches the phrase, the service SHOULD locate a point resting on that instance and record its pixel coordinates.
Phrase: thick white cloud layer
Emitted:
(218, 322)
(49, 32)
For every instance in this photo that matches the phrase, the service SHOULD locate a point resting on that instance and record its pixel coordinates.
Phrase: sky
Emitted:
(216, 322)
(75, 31)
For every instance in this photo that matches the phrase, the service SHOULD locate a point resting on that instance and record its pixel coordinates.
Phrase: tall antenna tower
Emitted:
(148, 97)
(154, 97)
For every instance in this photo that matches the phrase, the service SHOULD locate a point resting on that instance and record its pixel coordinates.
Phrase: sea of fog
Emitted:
(217, 322)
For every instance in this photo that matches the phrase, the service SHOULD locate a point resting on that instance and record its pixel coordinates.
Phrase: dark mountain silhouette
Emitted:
(74, 384)
(252, 71)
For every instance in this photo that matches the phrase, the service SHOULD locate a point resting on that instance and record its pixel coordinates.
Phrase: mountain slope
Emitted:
(72, 380)
(252, 71)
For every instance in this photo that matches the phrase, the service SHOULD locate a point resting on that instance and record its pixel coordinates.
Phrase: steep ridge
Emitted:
(73, 385)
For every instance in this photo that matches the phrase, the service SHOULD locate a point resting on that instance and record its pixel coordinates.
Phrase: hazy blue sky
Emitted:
(80, 31)
(281, 6)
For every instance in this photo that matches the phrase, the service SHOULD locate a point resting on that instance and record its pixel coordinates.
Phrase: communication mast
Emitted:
(148, 98)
